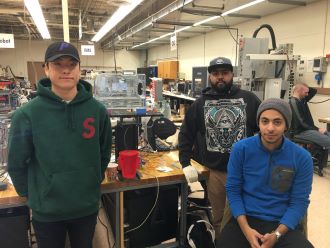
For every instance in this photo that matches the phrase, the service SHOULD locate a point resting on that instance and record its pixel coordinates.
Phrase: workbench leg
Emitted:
(183, 214)
(121, 219)
(118, 220)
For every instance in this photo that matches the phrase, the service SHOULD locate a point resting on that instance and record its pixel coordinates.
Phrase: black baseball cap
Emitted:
(220, 63)
(60, 49)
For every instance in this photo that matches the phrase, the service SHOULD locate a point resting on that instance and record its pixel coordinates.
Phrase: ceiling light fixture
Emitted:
(182, 29)
(154, 18)
(35, 11)
(161, 37)
(206, 20)
(203, 21)
(117, 17)
(228, 12)
(242, 7)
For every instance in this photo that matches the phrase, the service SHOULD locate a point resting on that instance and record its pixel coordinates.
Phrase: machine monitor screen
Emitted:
(199, 80)
(316, 63)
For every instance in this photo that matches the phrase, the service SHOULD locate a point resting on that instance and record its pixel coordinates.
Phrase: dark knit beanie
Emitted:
(279, 105)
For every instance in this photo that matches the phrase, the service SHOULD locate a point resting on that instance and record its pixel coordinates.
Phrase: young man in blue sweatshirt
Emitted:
(268, 185)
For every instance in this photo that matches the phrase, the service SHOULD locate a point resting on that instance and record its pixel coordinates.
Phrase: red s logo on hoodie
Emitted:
(91, 129)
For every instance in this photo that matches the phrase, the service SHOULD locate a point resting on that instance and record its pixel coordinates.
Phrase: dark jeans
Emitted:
(232, 236)
(53, 234)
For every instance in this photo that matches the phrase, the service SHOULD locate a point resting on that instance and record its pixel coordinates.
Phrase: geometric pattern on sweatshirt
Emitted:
(225, 123)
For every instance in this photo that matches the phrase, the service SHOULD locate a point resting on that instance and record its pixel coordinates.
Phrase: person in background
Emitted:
(268, 185)
(223, 115)
(303, 126)
(59, 148)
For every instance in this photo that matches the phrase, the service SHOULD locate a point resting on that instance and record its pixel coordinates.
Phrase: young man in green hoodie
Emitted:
(59, 148)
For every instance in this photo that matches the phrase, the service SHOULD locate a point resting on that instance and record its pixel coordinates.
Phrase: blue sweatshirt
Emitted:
(271, 186)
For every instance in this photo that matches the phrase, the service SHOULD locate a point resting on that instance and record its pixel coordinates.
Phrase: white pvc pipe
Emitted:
(65, 14)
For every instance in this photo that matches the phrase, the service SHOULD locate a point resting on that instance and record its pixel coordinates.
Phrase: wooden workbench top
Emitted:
(324, 120)
(9, 198)
(149, 172)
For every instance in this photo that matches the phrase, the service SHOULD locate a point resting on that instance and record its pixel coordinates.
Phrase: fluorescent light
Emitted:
(206, 20)
(182, 29)
(34, 8)
(203, 21)
(158, 38)
(242, 7)
(152, 40)
(117, 17)
(154, 18)
(163, 36)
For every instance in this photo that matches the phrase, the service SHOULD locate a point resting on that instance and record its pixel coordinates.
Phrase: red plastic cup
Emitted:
(128, 162)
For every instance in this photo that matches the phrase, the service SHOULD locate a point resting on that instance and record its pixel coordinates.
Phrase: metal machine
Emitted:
(199, 80)
(117, 91)
(266, 74)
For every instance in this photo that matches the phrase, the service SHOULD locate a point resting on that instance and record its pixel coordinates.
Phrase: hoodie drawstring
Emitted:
(70, 116)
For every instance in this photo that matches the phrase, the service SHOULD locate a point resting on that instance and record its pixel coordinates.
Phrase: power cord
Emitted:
(227, 27)
(182, 6)
(232, 36)
(125, 144)
(108, 238)
(156, 200)
(114, 56)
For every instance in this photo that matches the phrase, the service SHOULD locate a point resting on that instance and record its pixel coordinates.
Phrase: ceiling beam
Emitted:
(191, 32)
(201, 12)
(56, 24)
(213, 25)
(160, 30)
(165, 30)
(245, 16)
(11, 11)
(208, 7)
(189, 24)
(142, 37)
(174, 23)
(288, 2)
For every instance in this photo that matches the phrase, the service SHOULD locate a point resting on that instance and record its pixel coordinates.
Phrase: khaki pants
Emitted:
(217, 197)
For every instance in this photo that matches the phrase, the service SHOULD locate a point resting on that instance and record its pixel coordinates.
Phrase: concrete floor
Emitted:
(318, 211)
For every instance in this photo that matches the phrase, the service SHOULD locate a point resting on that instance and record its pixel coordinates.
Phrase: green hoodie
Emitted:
(58, 153)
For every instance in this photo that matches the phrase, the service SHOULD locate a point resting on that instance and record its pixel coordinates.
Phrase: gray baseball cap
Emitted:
(220, 63)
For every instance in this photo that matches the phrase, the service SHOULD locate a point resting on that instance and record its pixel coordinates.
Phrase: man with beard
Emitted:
(223, 115)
